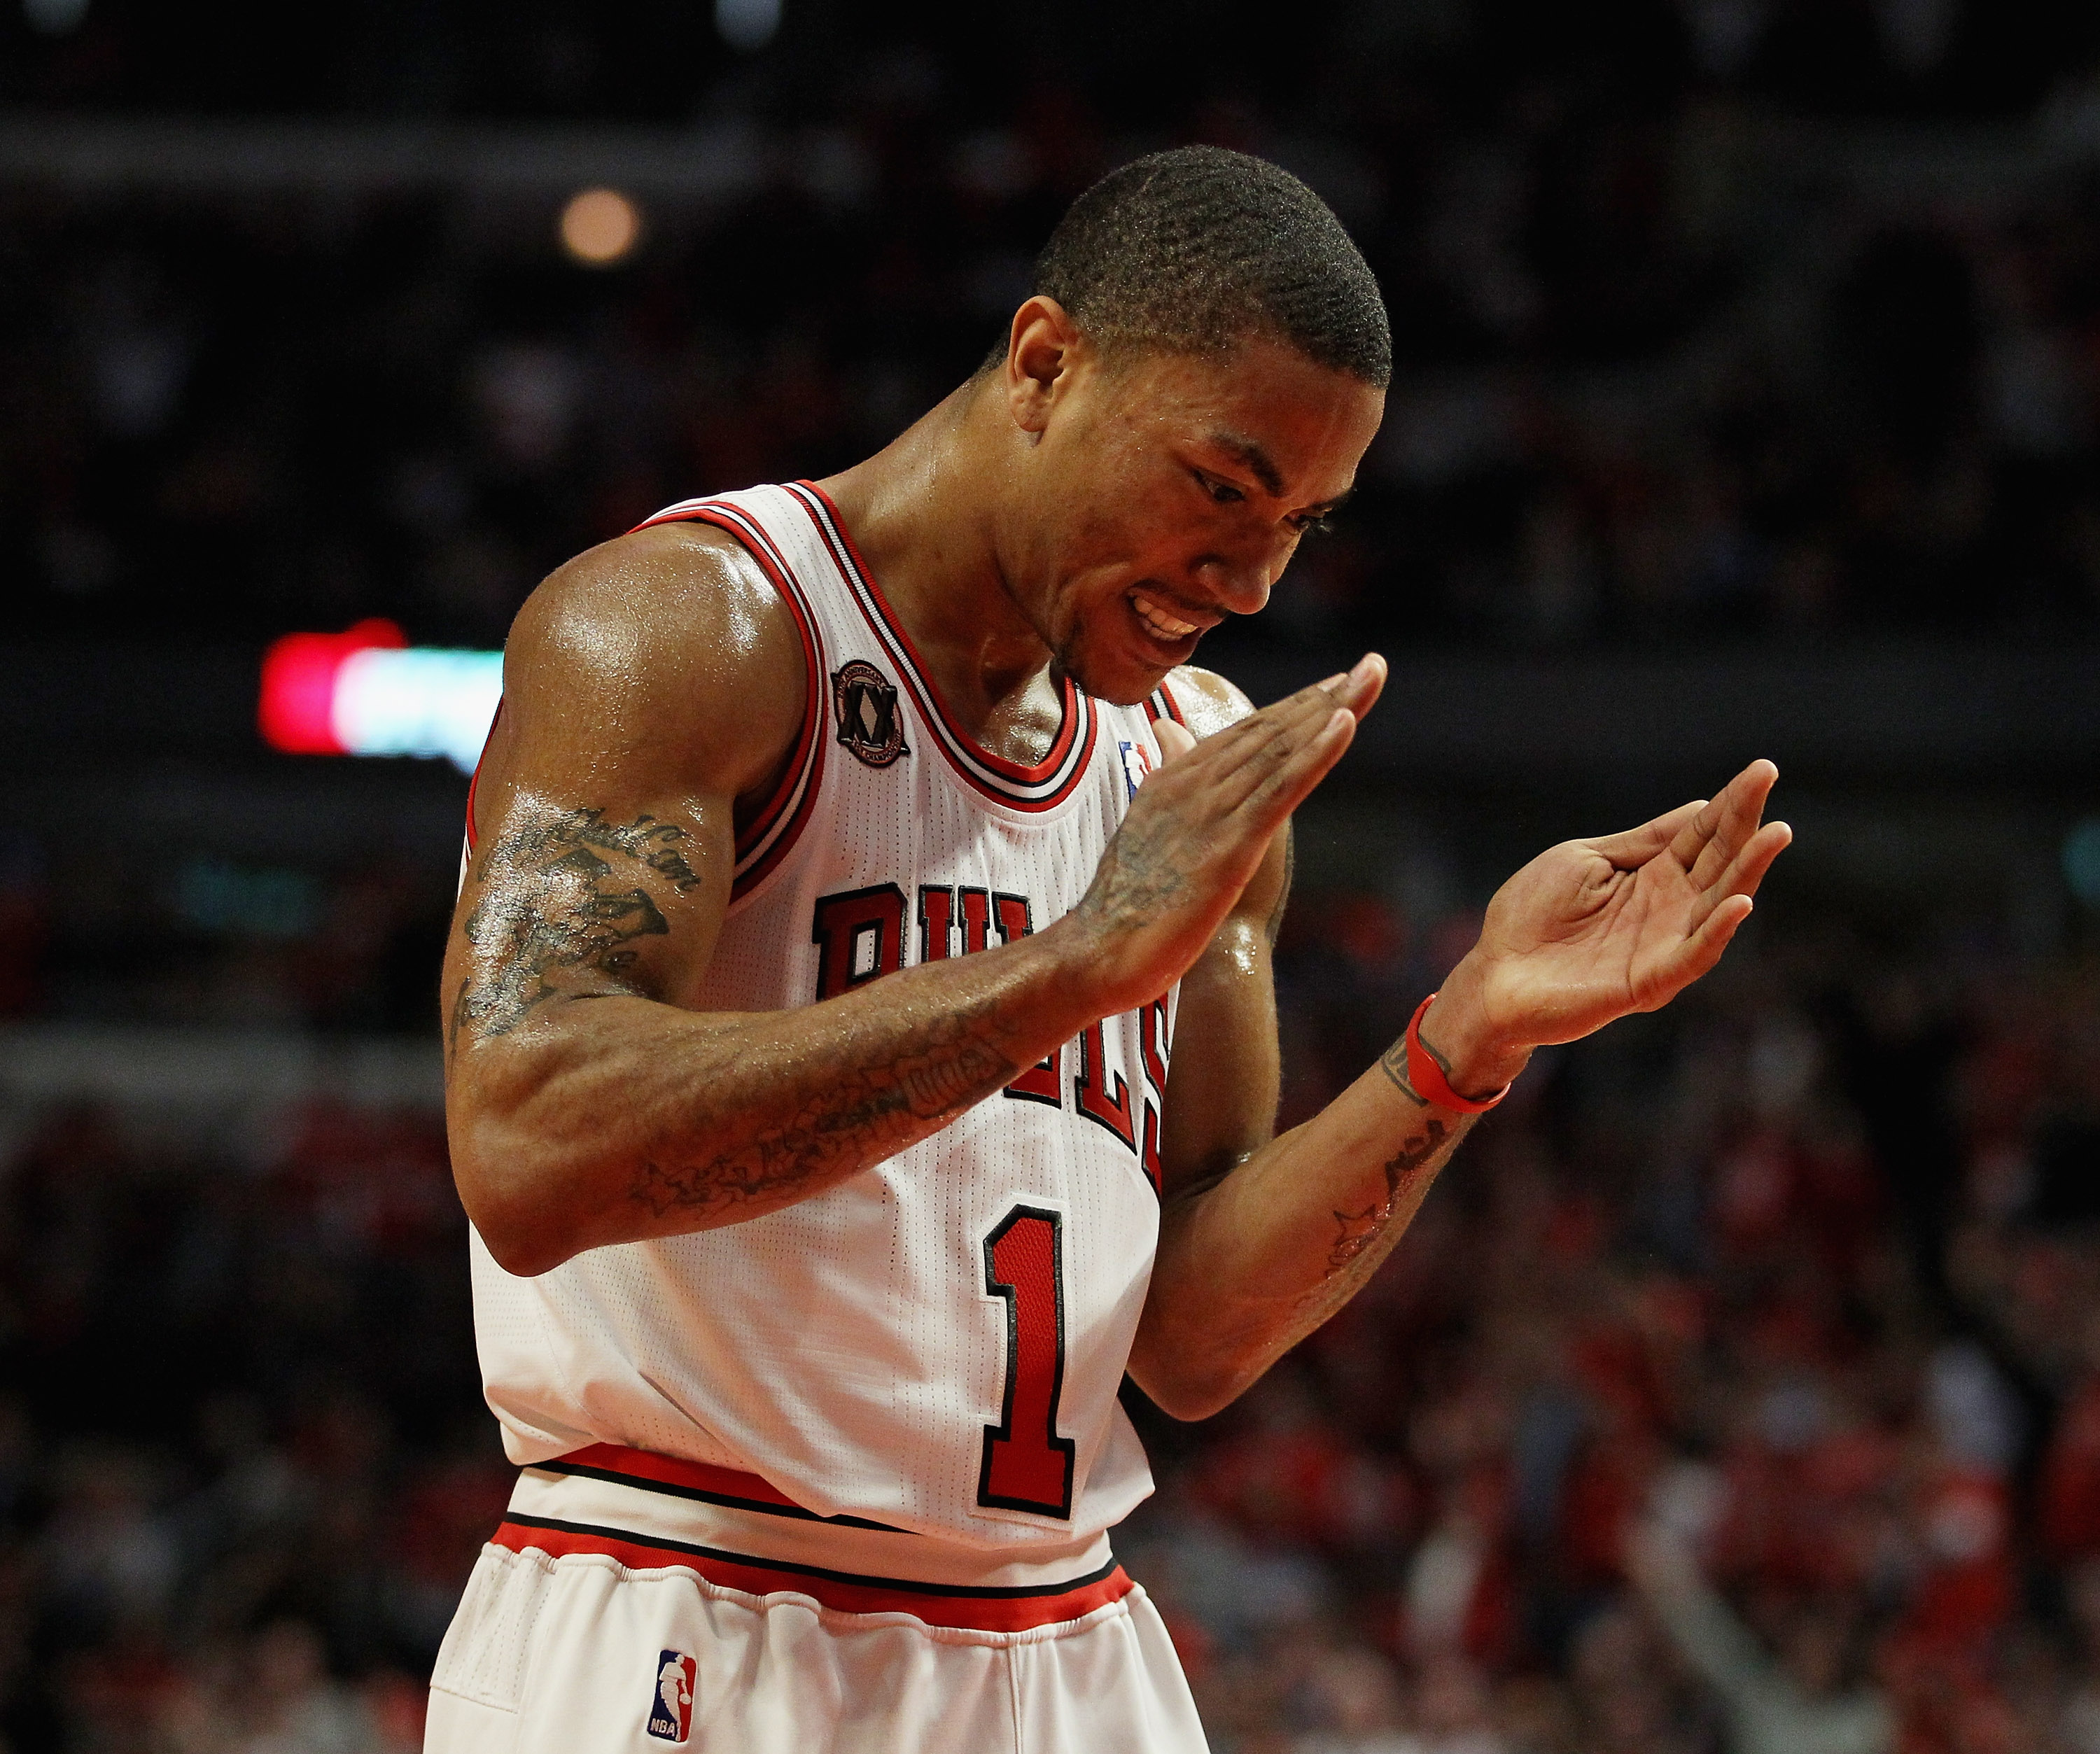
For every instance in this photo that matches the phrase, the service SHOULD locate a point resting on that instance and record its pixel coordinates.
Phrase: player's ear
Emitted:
(1039, 356)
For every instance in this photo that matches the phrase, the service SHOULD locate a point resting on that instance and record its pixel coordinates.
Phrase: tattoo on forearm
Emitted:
(553, 903)
(1356, 1231)
(857, 1111)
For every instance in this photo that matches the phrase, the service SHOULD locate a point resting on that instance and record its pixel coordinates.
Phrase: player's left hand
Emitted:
(1591, 930)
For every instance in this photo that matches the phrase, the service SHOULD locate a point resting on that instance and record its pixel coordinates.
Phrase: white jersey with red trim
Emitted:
(936, 1344)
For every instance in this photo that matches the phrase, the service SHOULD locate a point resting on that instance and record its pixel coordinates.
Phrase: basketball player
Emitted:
(861, 1046)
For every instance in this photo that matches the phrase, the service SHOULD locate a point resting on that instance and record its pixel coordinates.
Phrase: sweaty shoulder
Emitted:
(1207, 701)
(666, 656)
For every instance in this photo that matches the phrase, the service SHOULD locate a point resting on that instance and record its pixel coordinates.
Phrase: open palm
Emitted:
(1591, 930)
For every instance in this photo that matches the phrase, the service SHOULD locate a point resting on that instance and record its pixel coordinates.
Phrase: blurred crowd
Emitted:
(155, 932)
(1743, 1373)
(1713, 320)
(243, 1466)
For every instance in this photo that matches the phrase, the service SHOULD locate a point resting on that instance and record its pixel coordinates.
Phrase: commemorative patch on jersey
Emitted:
(671, 1711)
(864, 703)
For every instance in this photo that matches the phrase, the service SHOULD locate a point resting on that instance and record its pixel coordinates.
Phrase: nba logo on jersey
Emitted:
(671, 1712)
(1136, 764)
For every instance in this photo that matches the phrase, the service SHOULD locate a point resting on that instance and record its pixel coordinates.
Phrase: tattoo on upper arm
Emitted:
(553, 902)
(1283, 896)
(1356, 1231)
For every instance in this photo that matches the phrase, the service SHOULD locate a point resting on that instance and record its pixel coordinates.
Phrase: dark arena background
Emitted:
(1747, 402)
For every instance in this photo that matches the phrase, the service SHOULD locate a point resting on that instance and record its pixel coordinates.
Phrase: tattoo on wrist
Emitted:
(554, 903)
(1356, 1231)
(1393, 1064)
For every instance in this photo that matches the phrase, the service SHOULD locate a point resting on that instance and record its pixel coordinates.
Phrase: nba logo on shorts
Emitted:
(1136, 764)
(671, 1712)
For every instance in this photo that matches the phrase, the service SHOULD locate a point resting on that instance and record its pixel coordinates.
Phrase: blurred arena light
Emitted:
(367, 692)
(2081, 861)
(748, 24)
(600, 227)
(55, 18)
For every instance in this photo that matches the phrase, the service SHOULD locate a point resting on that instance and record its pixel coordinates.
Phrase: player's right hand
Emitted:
(1198, 829)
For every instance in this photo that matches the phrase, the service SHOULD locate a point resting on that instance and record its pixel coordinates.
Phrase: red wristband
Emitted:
(1427, 1077)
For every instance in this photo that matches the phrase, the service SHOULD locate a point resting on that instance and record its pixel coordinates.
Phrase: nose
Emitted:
(1240, 583)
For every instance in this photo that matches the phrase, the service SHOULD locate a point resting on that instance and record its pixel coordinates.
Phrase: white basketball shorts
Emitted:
(636, 1603)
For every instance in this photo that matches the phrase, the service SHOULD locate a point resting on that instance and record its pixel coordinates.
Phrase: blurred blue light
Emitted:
(2081, 861)
(748, 24)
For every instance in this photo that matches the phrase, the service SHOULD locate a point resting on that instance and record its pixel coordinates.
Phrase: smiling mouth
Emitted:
(1169, 630)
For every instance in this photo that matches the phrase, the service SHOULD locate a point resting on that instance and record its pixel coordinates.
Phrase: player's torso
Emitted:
(936, 1343)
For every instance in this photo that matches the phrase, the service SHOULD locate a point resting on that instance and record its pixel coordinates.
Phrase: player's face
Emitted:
(1166, 492)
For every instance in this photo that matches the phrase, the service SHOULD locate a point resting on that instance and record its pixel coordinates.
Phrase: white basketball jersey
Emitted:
(937, 1343)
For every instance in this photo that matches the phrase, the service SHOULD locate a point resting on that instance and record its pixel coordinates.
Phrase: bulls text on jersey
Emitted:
(861, 935)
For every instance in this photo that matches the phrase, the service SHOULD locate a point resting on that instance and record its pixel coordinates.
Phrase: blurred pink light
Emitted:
(296, 711)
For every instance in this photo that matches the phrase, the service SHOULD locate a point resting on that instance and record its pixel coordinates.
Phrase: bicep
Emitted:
(606, 842)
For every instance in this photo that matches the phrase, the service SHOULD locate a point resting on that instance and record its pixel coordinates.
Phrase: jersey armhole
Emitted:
(474, 785)
(771, 834)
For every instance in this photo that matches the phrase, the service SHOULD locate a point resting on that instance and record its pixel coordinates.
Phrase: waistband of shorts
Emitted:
(739, 1532)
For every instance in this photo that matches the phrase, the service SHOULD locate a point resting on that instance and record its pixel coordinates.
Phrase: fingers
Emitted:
(1259, 769)
(1174, 739)
(1742, 874)
(1290, 781)
(1359, 690)
(1712, 839)
(1248, 752)
(1637, 846)
(1699, 952)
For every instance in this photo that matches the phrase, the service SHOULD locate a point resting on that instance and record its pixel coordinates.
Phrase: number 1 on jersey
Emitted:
(1026, 1466)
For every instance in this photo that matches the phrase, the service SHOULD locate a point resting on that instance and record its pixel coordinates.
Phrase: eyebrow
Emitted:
(1263, 467)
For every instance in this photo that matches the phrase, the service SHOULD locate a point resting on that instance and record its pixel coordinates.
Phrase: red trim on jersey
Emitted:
(976, 1608)
(1173, 706)
(647, 1467)
(809, 752)
(883, 618)
(688, 1479)
(474, 785)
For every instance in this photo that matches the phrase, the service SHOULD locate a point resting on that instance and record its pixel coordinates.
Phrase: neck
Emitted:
(922, 513)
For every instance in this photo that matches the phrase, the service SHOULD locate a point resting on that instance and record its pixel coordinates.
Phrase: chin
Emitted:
(1121, 684)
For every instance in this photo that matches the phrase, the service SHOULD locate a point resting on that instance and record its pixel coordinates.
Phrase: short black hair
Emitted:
(1195, 249)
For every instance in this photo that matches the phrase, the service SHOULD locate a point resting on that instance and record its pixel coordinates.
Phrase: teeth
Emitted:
(1162, 624)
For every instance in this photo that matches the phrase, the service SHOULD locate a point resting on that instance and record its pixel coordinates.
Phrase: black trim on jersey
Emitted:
(727, 1501)
(1155, 1047)
(927, 953)
(1053, 1062)
(1099, 1077)
(911, 1586)
(820, 935)
(1002, 1432)
(998, 922)
(964, 893)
